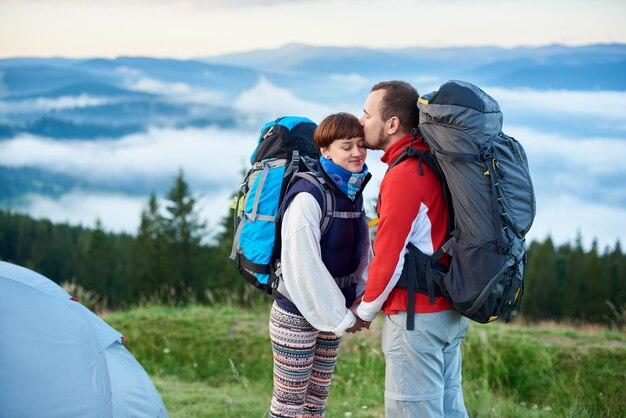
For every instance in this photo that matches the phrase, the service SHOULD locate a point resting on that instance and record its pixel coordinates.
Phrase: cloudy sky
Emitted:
(193, 28)
(576, 187)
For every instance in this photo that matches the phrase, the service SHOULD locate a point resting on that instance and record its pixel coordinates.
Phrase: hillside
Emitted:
(217, 362)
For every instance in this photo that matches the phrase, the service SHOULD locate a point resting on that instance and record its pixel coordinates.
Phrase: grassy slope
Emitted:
(217, 362)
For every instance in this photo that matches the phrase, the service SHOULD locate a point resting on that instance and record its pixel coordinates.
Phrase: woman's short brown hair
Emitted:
(337, 126)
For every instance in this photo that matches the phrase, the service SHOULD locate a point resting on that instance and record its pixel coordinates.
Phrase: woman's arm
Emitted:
(311, 287)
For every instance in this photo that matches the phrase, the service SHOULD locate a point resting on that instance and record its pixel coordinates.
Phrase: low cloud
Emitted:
(602, 104)
(563, 216)
(48, 104)
(572, 195)
(150, 85)
(118, 213)
(266, 101)
(569, 174)
(565, 172)
(208, 156)
(176, 91)
(353, 82)
(580, 157)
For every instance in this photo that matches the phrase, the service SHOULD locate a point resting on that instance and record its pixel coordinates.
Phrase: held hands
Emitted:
(360, 323)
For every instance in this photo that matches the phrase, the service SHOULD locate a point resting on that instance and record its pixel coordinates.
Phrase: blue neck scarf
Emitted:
(348, 182)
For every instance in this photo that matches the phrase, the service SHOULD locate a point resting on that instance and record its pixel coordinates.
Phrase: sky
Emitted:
(194, 28)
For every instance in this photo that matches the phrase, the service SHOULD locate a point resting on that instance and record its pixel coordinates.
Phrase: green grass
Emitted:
(217, 362)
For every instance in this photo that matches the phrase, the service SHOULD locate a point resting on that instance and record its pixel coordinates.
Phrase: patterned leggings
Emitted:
(304, 361)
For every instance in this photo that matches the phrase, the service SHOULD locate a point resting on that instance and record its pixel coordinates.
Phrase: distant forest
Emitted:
(169, 261)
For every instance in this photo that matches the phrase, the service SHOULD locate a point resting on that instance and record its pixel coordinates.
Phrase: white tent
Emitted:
(58, 359)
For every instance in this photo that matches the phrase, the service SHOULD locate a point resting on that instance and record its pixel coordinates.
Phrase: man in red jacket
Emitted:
(423, 366)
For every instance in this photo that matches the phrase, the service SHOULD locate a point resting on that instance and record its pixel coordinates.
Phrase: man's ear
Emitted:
(325, 153)
(393, 125)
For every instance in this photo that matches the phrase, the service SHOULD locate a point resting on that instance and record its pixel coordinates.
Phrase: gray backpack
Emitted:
(491, 199)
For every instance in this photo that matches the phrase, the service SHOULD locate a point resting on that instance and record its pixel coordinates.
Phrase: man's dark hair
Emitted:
(400, 100)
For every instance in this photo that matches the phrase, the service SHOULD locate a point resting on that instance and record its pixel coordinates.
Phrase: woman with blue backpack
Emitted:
(323, 268)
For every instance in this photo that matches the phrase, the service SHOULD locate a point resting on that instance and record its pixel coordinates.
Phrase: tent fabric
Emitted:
(59, 359)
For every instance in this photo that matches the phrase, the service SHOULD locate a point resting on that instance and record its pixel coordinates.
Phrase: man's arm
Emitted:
(400, 203)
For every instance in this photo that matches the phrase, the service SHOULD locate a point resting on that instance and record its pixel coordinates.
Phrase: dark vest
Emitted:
(341, 244)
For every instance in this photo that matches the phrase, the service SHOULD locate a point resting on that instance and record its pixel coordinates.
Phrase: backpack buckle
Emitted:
(503, 248)
(414, 133)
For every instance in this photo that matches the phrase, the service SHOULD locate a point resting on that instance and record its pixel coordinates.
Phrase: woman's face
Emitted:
(348, 153)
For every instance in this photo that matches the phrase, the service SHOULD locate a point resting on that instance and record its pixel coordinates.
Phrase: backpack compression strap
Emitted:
(486, 157)
(267, 166)
(252, 216)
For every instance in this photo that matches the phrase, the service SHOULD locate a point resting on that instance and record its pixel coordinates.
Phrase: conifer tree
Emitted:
(183, 231)
(593, 304)
(615, 278)
(149, 253)
(574, 285)
(96, 270)
(541, 282)
(224, 277)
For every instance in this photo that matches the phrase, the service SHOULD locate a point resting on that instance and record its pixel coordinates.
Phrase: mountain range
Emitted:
(116, 109)
(596, 67)
(115, 97)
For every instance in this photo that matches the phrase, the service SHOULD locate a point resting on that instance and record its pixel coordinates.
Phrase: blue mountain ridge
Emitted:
(308, 73)
(589, 67)
(142, 91)
(95, 89)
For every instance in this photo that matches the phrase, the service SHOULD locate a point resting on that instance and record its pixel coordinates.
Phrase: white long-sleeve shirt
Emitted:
(310, 285)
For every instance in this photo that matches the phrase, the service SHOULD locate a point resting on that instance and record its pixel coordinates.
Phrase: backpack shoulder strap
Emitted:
(327, 202)
(430, 271)
(322, 192)
(330, 213)
(426, 157)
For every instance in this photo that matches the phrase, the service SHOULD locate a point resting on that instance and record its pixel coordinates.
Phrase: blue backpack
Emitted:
(285, 152)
